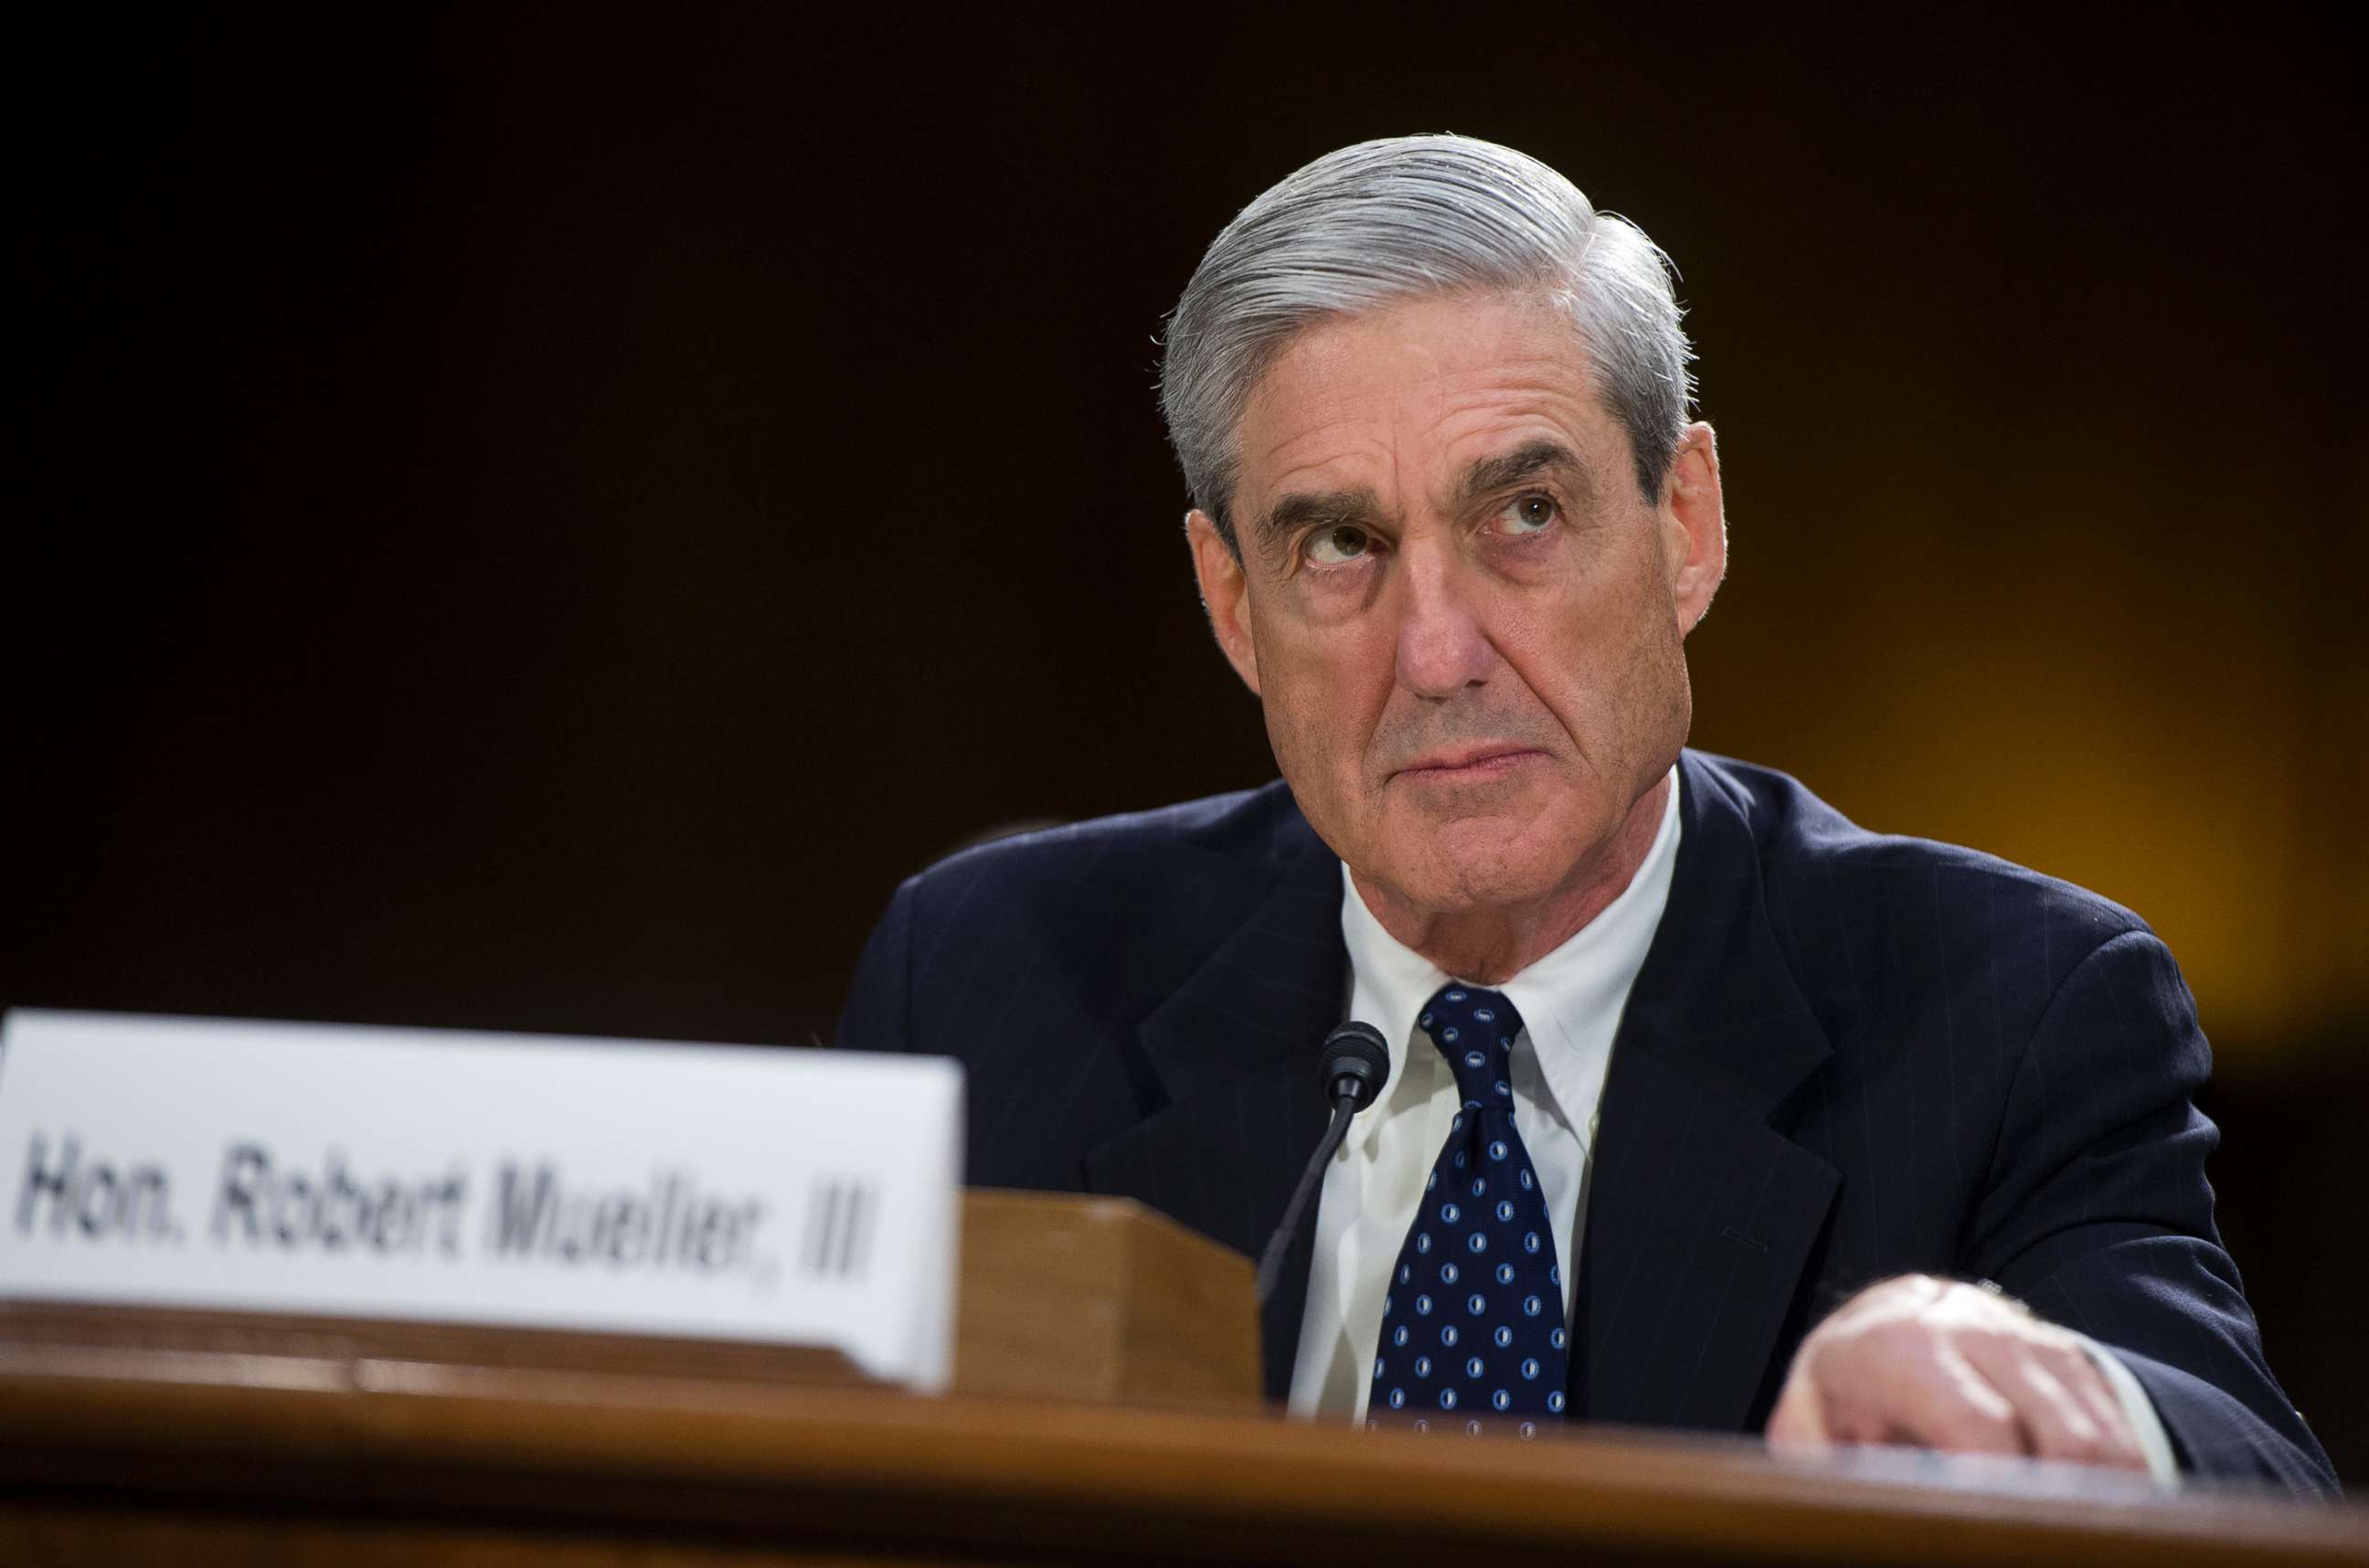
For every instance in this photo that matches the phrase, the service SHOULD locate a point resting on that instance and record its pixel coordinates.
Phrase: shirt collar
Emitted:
(1569, 999)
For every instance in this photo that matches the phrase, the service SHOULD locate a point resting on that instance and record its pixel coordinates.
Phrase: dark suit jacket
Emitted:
(1846, 1057)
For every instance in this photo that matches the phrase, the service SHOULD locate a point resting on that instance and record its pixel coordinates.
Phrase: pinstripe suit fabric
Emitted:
(1846, 1057)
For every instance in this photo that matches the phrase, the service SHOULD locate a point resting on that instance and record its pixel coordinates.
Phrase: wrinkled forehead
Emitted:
(1397, 400)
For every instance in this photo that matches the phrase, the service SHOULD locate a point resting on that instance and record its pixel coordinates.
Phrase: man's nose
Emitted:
(1441, 646)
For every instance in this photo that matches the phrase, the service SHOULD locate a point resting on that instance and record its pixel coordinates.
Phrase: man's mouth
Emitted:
(1468, 764)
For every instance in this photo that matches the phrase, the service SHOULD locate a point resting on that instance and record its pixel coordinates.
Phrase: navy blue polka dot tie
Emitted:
(1473, 1329)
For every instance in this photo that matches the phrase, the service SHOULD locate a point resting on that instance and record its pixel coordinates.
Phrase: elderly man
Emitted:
(1707, 1109)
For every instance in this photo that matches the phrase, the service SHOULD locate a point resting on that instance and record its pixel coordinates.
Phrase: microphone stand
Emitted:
(1344, 1110)
(1351, 1068)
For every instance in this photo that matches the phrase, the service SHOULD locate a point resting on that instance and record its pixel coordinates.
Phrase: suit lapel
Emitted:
(1700, 1215)
(1234, 1049)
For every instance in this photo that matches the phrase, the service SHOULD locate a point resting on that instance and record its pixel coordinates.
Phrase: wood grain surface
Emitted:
(131, 1437)
(128, 1460)
(1099, 1298)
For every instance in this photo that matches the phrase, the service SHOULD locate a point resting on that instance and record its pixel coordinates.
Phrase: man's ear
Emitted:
(1224, 594)
(1693, 519)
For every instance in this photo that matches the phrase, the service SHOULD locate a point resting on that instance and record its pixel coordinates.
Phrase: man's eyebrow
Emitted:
(1525, 462)
(1302, 508)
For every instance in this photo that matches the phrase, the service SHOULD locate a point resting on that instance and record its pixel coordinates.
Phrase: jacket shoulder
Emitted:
(1809, 852)
(1880, 929)
(1049, 948)
(1135, 854)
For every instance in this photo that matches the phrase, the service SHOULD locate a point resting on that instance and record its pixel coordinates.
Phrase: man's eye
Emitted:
(1526, 514)
(1339, 544)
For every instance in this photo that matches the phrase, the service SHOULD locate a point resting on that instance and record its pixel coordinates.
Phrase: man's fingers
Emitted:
(2087, 1389)
(2097, 1396)
(2057, 1426)
(1948, 1404)
(2065, 1401)
(1903, 1389)
(1918, 1360)
(1797, 1427)
(2118, 1443)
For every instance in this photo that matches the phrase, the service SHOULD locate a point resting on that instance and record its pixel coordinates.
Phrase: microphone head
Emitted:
(1355, 1064)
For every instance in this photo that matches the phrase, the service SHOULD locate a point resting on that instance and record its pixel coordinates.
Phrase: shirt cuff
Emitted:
(2146, 1426)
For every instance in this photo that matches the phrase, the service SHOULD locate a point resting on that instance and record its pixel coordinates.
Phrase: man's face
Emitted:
(1464, 622)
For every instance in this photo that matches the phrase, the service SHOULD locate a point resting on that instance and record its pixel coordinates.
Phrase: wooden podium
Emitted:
(1105, 1411)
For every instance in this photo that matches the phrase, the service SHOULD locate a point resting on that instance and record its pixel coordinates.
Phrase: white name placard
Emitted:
(803, 1196)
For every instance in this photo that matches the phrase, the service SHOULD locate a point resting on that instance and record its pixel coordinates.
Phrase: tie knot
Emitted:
(1474, 1029)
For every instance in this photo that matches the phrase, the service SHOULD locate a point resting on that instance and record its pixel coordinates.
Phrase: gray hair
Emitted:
(1404, 218)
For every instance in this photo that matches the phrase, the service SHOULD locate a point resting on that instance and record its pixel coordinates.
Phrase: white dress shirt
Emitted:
(1570, 1001)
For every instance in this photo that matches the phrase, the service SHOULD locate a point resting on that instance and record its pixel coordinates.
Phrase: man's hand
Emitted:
(1942, 1365)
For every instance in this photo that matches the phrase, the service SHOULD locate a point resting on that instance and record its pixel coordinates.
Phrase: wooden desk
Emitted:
(131, 1455)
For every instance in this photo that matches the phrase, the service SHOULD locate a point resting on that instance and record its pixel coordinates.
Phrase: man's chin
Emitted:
(1474, 863)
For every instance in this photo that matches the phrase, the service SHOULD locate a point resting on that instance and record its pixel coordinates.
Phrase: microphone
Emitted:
(1351, 1070)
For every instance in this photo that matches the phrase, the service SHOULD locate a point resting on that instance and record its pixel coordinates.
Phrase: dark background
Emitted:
(541, 525)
